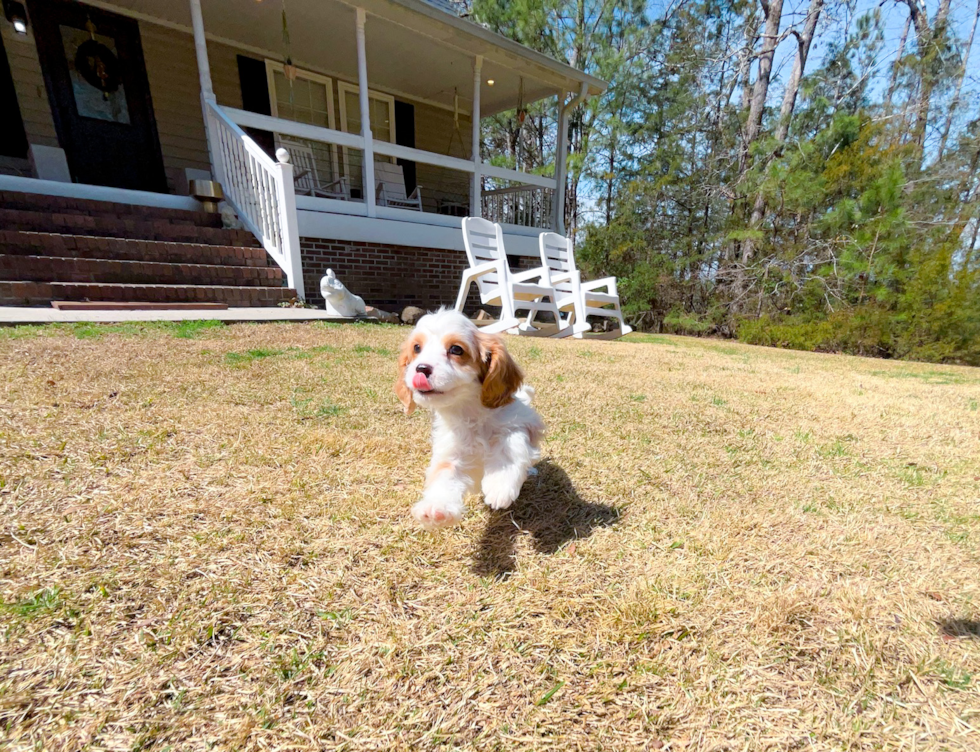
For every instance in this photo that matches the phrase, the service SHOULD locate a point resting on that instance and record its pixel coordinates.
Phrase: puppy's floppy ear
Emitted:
(402, 391)
(501, 375)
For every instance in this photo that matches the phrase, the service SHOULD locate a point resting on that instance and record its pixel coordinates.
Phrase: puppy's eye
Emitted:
(456, 350)
(417, 348)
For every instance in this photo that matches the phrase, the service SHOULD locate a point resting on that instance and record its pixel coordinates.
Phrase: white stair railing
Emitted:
(260, 190)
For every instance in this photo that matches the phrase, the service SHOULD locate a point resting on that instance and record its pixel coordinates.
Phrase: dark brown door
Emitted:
(93, 67)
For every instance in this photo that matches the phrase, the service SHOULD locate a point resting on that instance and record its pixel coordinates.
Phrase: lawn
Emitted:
(205, 544)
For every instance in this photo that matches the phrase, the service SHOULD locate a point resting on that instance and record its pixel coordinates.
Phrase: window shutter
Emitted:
(255, 98)
(13, 140)
(405, 136)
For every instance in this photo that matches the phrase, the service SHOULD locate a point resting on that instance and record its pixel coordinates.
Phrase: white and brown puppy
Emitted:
(485, 434)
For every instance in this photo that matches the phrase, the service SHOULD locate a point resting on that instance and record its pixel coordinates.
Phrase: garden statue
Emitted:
(339, 300)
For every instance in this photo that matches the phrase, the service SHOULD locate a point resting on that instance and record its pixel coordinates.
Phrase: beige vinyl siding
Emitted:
(171, 67)
(32, 94)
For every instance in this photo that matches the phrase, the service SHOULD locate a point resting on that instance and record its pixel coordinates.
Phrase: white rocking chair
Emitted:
(579, 299)
(498, 286)
(305, 176)
(391, 187)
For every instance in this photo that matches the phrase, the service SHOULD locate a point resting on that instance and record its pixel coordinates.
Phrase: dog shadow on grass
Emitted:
(549, 510)
(960, 628)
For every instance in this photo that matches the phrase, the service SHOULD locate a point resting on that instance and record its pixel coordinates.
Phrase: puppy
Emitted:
(485, 434)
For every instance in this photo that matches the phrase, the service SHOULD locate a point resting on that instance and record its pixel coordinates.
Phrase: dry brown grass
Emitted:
(205, 545)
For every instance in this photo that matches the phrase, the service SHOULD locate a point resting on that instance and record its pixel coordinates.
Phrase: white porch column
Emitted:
(201, 47)
(561, 164)
(561, 167)
(367, 169)
(207, 90)
(476, 210)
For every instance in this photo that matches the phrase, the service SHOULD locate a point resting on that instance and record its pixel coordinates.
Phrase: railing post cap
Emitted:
(282, 155)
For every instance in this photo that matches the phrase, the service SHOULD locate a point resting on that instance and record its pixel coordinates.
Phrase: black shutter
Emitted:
(255, 98)
(405, 136)
(13, 140)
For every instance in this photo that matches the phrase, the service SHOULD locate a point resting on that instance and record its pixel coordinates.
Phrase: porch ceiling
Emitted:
(413, 49)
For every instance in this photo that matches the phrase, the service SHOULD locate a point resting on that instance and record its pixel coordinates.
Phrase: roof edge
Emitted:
(509, 45)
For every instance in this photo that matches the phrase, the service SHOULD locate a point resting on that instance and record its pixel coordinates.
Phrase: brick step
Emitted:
(42, 293)
(118, 227)
(20, 242)
(64, 205)
(53, 269)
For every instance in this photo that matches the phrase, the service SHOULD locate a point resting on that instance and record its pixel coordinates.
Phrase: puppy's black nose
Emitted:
(424, 369)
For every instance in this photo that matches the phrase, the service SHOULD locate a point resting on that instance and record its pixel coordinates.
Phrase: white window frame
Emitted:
(273, 66)
(344, 88)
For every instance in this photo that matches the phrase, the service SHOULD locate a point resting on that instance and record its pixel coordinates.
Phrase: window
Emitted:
(308, 100)
(381, 106)
(382, 109)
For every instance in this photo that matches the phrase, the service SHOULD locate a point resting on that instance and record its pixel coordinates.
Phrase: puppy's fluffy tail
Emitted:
(525, 394)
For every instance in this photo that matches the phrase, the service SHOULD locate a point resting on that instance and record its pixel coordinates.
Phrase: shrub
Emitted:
(868, 330)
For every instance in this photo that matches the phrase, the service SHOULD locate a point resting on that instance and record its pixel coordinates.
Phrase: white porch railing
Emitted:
(522, 205)
(260, 190)
(533, 194)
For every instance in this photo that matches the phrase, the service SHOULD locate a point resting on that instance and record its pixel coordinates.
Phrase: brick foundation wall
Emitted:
(391, 277)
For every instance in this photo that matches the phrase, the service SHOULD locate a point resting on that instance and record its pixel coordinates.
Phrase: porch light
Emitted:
(489, 82)
(16, 14)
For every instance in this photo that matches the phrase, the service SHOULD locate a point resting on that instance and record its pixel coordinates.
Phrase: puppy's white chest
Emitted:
(470, 443)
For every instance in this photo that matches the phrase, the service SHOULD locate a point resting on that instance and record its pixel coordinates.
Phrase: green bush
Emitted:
(790, 333)
(866, 330)
(681, 322)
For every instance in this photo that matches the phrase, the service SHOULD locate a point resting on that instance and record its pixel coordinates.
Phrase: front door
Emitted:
(93, 67)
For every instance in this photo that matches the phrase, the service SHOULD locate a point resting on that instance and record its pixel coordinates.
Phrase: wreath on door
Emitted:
(97, 64)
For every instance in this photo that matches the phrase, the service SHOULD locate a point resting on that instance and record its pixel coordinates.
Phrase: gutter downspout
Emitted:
(561, 166)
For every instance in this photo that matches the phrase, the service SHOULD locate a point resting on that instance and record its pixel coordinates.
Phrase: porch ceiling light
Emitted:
(16, 14)
(490, 82)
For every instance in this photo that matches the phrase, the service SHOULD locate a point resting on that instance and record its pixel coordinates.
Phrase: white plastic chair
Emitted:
(391, 187)
(305, 176)
(579, 299)
(498, 286)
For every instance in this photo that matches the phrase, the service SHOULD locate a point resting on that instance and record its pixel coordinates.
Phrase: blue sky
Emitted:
(893, 15)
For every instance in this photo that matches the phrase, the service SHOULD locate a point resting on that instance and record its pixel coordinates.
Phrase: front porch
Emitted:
(374, 100)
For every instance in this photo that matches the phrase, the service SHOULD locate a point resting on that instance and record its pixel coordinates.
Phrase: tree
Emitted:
(954, 106)
(931, 42)
(784, 206)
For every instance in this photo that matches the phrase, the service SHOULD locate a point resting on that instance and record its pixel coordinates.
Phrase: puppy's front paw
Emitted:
(500, 493)
(436, 514)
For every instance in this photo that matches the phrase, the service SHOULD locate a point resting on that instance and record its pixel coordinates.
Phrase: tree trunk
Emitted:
(577, 123)
(745, 60)
(893, 83)
(773, 10)
(926, 39)
(805, 39)
(609, 179)
(954, 105)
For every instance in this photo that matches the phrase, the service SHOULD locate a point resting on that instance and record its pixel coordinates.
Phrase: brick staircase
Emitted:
(66, 249)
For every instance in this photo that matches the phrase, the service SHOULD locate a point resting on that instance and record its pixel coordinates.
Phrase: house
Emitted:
(319, 119)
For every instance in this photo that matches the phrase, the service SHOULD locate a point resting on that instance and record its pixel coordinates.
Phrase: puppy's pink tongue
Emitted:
(419, 381)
